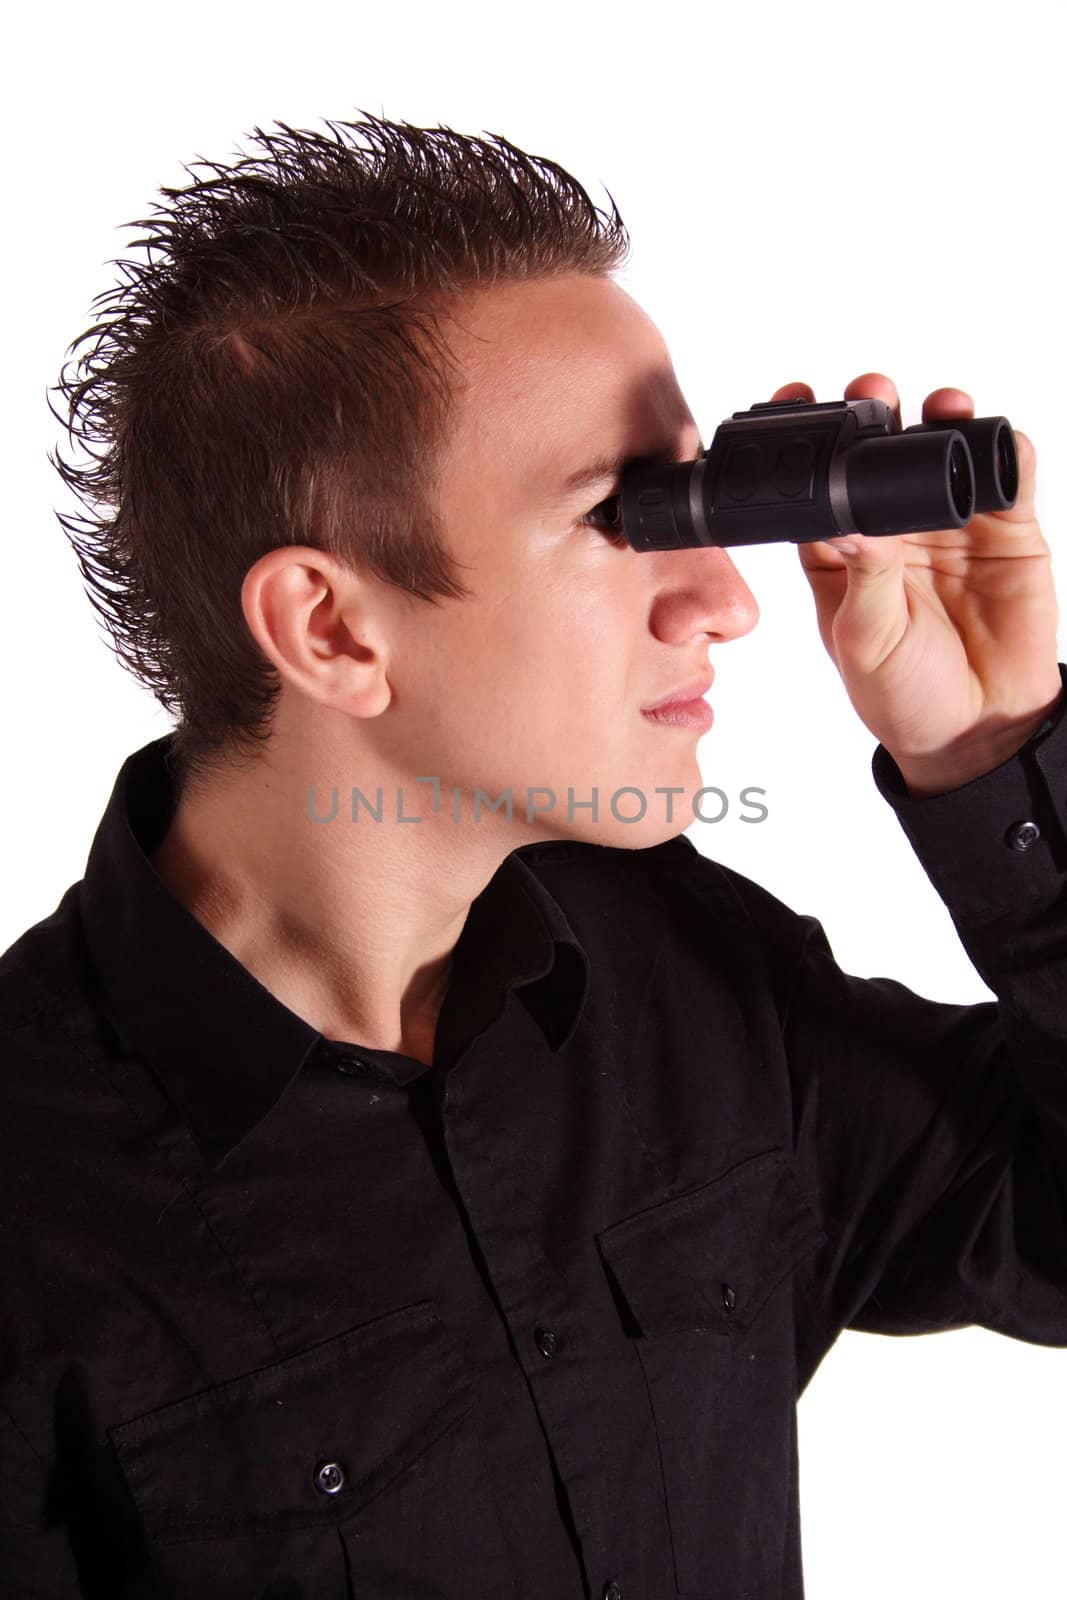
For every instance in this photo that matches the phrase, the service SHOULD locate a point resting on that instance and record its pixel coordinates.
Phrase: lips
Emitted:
(694, 690)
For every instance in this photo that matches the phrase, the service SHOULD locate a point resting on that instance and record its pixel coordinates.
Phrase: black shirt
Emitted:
(287, 1317)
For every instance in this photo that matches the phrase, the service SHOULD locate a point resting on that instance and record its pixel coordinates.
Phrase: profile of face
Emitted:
(536, 683)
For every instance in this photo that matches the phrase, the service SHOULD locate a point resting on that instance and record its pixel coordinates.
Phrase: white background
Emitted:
(813, 191)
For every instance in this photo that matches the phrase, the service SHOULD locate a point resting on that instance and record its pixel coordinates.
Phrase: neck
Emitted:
(350, 925)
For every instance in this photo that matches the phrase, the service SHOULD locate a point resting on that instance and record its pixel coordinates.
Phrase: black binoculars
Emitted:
(801, 470)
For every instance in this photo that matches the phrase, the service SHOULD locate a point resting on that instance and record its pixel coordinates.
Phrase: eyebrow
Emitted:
(607, 469)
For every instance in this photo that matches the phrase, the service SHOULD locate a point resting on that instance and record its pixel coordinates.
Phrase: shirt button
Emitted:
(351, 1066)
(612, 1592)
(729, 1296)
(547, 1341)
(1021, 835)
(329, 1477)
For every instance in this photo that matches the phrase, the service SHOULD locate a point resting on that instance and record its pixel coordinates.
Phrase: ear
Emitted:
(314, 618)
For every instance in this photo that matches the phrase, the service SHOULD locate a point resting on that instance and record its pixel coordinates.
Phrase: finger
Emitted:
(794, 391)
(1024, 447)
(820, 555)
(947, 403)
(875, 386)
(873, 615)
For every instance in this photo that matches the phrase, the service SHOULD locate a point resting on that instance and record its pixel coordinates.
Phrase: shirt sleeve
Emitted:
(933, 1136)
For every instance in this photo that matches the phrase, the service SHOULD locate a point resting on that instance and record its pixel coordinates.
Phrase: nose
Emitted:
(698, 591)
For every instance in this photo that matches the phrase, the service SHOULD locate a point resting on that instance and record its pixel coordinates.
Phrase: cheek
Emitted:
(556, 649)
(463, 665)
(569, 648)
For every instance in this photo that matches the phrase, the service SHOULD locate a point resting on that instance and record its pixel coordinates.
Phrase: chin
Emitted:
(642, 835)
(633, 812)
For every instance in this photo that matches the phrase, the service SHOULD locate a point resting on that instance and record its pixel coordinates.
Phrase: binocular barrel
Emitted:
(798, 470)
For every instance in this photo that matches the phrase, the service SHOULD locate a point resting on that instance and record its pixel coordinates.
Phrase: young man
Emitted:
(402, 1198)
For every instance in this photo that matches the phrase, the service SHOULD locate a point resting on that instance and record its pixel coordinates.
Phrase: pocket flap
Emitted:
(711, 1257)
(249, 1455)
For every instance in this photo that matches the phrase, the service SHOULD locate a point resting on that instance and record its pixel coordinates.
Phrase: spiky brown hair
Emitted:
(273, 372)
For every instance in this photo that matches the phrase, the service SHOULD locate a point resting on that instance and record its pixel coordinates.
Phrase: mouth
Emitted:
(684, 707)
(694, 688)
(683, 714)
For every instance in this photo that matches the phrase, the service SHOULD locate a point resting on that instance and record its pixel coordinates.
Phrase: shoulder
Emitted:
(52, 1038)
(44, 974)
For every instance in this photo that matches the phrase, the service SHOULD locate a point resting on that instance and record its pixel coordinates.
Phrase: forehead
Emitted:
(553, 373)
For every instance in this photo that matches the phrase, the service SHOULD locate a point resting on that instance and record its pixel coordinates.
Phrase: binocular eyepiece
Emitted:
(800, 470)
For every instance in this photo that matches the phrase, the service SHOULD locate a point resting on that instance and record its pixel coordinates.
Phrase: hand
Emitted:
(945, 641)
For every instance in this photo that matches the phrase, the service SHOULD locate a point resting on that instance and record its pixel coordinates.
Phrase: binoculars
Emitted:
(800, 470)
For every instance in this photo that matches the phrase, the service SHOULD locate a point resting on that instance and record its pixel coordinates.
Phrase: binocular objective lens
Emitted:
(960, 479)
(1007, 463)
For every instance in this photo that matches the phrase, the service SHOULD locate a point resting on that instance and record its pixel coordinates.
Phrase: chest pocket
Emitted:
(702, 1282)
(352, 1469)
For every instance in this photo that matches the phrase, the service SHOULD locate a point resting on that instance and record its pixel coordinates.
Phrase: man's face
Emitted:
(539, 679)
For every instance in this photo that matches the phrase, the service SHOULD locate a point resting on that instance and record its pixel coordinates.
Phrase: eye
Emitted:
(606, 516)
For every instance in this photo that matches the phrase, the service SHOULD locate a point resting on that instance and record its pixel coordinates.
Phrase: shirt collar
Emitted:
(223, 1046)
